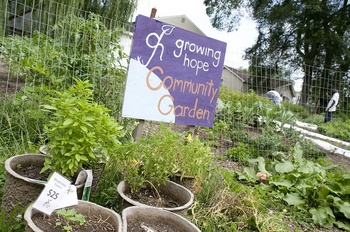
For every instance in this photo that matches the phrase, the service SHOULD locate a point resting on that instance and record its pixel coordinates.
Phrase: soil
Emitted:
(8, 84)
(152, 198)
(144, 225)
(33, 172)
(92, 223)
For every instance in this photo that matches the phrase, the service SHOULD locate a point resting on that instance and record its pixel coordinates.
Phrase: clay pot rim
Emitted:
(136, 203)
(15, 174)
(30, 211)
(162, 213)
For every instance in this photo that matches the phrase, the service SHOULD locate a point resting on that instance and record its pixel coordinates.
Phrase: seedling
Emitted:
(69, 219)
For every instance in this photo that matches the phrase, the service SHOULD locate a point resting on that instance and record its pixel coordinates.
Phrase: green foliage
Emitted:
(315, 119)
(240, 153)
(310, 150)
(225, 205)
(106, 194)
(336, 129)
(69, 219)
(157, 156)
(192, 156)
(21, 118)
(12, 222)
(298, 110)
(80, 133)
(252, 110)
(320, 191)
(327, 37)
(87, 51)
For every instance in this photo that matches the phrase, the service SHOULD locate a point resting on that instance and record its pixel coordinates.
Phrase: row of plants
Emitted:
(319, 190)
(139, 161)
(270, 145)
(80, 133)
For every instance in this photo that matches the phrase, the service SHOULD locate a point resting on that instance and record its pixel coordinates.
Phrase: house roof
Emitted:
(244, 77)
(275, 83)
(181, 21)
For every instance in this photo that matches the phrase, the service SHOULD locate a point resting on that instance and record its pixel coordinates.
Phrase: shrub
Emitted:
(81, 133)
(157, 156)
(86, 51)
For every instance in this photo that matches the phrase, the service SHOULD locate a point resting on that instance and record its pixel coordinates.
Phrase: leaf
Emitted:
(284, 167)
(307, 167)
(49, 107)
(285, 183)
(261, 164)
(68, 122)
(241, 176)
(344, 207)
(293, 199)
(167, 29)
(345, 225)
(251, 174)
(298, 153)
(320, 215)
(83, 128)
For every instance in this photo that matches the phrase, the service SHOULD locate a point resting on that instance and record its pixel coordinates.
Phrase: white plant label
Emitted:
(58, 193)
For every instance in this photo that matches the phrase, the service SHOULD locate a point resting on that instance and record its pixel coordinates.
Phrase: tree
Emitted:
(309, 34)
(3, 12)
(45, 14)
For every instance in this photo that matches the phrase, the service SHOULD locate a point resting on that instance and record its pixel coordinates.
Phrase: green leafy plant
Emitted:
(336, 129)
(159, 155)
(80, 133)
(192, 157)
(22, 117)
(87, 51)
(320, 191)
(69, 219)
(12, 222)
(226, 205)
(240, 153)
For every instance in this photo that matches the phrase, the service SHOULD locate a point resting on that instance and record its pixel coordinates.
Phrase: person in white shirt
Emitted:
(331, 106)
(274, 96)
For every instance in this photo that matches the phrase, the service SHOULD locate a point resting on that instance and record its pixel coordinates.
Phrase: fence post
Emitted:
(137, 133)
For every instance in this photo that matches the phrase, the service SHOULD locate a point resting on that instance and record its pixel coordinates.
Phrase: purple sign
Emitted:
(174, 75)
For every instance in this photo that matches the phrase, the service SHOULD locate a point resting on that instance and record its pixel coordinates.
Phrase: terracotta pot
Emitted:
(20, 189)
(84, 207)
(150, 218)
(182, 195)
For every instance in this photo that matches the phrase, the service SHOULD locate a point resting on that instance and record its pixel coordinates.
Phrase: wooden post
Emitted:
(137, 133)
(191, 129)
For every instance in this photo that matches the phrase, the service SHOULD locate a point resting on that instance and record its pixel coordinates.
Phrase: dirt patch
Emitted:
(9, 84)
(92, 223)
(33, 172)
(155, 199)
(144, 225)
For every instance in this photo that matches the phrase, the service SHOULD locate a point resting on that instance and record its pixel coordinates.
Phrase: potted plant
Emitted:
(192, 161)
(85, 216)
(80, 134)
(148, 164)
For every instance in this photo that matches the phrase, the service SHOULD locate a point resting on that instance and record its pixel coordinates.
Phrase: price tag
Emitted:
(58, 193)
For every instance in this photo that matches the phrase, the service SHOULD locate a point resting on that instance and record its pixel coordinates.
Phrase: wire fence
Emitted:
(46, 47)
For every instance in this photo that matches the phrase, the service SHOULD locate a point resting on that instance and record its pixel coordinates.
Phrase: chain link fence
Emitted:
(45, 46)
